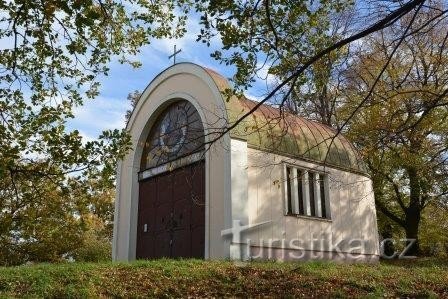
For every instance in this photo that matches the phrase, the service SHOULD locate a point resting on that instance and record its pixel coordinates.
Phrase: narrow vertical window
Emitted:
(323, 200)
(288, 188)
(300, 191)
(306, 193)
(311, 188)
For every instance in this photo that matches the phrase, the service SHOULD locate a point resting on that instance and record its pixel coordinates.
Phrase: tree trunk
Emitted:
(412, 228)
(413, 212)
(389, 247)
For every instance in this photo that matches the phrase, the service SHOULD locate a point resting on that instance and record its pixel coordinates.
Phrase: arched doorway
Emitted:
(171, 206)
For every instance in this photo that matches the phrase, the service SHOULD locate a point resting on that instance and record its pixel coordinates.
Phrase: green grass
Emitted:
(427, 278)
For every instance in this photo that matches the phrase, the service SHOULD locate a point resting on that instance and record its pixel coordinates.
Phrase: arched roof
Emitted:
(288, 134)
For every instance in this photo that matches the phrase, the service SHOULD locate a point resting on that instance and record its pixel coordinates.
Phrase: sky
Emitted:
(107, 111)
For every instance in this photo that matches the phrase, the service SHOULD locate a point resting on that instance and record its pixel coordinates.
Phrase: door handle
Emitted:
(145, 228)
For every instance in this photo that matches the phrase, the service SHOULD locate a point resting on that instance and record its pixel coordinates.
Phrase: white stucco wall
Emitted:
(239, 181)
(351, 203)
(189, 82)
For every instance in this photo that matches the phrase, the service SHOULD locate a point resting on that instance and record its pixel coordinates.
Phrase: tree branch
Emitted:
(384, 23)
(389, 214)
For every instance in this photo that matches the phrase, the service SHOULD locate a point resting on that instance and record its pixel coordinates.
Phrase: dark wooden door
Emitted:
(171, 214)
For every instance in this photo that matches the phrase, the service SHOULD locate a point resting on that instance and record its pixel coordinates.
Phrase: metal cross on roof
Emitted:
(174, 54)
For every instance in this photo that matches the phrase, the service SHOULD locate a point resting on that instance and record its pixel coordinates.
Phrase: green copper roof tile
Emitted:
(287, 134)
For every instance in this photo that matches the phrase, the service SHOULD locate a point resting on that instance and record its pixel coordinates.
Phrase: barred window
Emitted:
(306, 193)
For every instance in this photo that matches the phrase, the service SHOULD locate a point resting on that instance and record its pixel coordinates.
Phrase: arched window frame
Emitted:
(176, 134)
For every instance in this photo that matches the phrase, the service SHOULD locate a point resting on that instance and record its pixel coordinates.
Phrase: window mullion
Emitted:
(317, 198)
(294, 192)
(326, 192)
(287, 189)
(306, 194)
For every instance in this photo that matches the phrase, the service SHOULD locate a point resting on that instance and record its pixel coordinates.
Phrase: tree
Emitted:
(433, 237)
(46, 215)
(55, 51)
(275, 35)
(318, 95)
(133, 98)
(403, 128)
(52, 56)
(259, 36)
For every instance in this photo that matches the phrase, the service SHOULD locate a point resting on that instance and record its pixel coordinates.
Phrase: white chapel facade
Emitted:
(301, 193)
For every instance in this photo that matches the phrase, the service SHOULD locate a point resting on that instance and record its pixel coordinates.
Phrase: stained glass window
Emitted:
(177, 132)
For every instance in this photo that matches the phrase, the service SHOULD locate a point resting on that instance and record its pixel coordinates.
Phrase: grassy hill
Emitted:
(182, 278)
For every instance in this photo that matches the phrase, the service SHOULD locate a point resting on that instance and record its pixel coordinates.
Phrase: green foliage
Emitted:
(96, 244)
(133, 98)
(402, 128)
(45, 211)
(434, 230)
(193, 278)
(52, 54)
(277, 35)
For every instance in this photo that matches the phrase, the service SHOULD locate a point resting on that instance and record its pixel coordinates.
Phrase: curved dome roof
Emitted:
(288, 134)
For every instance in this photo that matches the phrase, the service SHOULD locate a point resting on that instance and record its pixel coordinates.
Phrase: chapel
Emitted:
(198, 183)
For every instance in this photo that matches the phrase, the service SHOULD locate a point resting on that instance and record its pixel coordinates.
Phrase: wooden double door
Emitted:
(171, 214)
